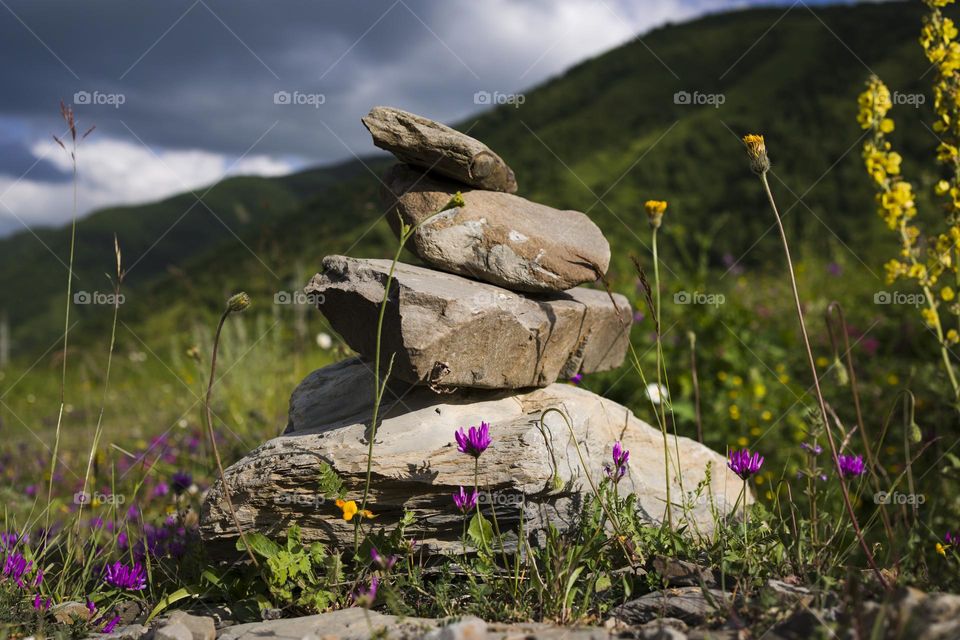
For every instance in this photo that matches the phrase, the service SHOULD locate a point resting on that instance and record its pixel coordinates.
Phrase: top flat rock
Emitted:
(499, 238)
(426, 143)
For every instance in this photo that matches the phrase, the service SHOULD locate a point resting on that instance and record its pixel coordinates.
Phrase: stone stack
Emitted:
(483, 334)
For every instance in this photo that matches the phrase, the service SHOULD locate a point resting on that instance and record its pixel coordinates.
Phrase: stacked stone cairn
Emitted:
(490, 331)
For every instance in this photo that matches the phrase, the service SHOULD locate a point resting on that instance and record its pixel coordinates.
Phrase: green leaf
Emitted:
(176, 596)
(260, 545)
(480, 531)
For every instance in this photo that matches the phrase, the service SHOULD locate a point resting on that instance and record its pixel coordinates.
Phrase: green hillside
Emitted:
(601, 138)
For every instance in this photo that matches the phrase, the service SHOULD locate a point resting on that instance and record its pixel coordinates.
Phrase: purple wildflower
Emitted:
(465, 502)
(110, 626)
(851, 465)
(40, 604)
(475, 441)
(123, 577)
(366, 597)
(621, 457)
(744, 464)
(161, 489)
(384, 562)
(91, 606)
(813, 449)
(16, 567)
(577, 378)
(9, 540)
(180, 481)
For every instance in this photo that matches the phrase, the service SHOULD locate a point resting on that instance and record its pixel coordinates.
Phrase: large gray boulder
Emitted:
(448, 331)
(496, 237)
(532, 467)
(434, 146)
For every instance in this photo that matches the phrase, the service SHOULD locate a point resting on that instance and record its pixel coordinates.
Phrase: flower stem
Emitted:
(662, 409)
(816, 385)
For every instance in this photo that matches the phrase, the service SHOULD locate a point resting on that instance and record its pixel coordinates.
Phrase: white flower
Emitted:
(324, 341)
(657, 393)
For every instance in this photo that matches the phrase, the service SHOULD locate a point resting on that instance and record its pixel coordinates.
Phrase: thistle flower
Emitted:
(475, 441)
(744, 464)
(126, 578)
(851, 465)
(655, 210)
(464, 501)
(621, 457)
(238, 302)
(757, 152)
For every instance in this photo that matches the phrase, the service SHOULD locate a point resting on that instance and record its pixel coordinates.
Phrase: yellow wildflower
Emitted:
(655, 210)
(350, 509)
(757, 153)
(947, 294)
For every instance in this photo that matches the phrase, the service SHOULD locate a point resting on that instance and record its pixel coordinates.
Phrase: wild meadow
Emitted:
(835, 401)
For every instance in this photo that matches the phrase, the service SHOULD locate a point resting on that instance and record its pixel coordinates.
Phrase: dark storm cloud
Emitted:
(203, 74)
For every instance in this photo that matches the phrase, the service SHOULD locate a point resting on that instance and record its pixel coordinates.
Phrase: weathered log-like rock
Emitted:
(532, 467)
(496, 237)
(434, 146)
(449, 331)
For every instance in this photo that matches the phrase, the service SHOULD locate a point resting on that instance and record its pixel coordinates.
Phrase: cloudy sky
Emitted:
(184, 92)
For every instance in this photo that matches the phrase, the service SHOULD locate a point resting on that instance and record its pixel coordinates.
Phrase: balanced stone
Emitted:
(496, 237)
(447, 331)
(436, 147)
(532, 468)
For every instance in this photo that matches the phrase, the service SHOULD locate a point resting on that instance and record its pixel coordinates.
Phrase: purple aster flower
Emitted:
(744, 464)
(621, 457)
(366, 597)
(384, 562)
(464, 501)
(851, 465)
(475, 441)
(110, 626)
(180, 481)
(123, 577)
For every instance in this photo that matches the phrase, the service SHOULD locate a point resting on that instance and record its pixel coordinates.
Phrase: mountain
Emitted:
(659, 117)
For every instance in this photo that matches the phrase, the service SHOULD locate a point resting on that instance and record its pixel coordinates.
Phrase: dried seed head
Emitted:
(655, 210)
(238, 302)
(757, 152)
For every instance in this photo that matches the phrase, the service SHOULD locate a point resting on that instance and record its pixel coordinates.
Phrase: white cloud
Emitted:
(118, 172)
